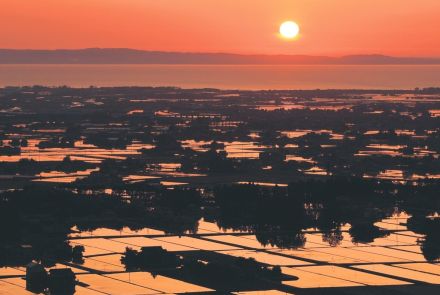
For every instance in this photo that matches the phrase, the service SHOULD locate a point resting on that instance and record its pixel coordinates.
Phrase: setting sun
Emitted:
(289, 29)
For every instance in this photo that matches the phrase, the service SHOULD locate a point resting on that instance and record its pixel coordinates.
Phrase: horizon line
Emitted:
(229, 52)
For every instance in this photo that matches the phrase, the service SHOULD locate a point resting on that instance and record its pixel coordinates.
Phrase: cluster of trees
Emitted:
(216, 270)
(278, 216)
(13, 148)
(231, 272)
(32, 167)
(41, 217)
(149, 258)
(55, 281)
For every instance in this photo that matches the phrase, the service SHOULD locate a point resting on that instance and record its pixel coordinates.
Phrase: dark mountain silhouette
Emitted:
(131, 56)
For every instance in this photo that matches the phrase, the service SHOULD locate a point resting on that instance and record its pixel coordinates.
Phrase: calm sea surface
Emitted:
(224, 76)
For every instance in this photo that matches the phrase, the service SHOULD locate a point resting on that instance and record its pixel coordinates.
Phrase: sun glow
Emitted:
(289, 29)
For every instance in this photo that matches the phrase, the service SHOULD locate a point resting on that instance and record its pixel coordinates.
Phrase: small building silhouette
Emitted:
(36, 277)
(62, 281)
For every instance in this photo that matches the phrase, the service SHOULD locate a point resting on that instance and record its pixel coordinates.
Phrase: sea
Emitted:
(243, 77)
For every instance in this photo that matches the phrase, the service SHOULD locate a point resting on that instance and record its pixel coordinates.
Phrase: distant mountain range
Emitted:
(131, 56)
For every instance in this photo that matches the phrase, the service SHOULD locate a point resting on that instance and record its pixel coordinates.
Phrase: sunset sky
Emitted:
(328, 27)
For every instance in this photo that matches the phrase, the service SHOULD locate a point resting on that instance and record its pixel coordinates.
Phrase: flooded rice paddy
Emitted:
(394, 260)
(153, 151)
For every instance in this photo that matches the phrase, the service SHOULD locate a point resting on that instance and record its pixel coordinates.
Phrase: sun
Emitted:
(289, 29)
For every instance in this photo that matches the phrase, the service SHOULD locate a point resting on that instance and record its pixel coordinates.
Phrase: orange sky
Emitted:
(328, 27)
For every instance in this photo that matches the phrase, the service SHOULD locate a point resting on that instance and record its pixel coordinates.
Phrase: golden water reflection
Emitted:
(394, 260)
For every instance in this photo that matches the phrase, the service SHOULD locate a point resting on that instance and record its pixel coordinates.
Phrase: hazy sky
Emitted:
(328, 27)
